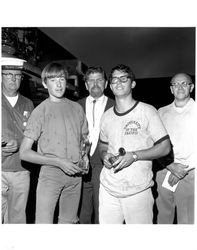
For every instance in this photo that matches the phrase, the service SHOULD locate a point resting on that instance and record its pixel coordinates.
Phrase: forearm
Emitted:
(35, 157)
(102, 149)
(159, 150)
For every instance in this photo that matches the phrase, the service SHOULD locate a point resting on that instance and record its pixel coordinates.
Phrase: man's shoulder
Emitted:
(165, 108)
(109, 112)
(110, 102)
(74, 105)
(82, 101)
(25, 99)
(146, 106)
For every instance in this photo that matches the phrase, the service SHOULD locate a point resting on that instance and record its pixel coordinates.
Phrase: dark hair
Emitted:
(92, 70)
(123, 68)
(53, 69)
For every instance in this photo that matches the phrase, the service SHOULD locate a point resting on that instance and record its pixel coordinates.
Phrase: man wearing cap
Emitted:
(15, 112)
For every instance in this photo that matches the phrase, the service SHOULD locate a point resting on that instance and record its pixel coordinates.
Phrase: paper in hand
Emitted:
(165, 183)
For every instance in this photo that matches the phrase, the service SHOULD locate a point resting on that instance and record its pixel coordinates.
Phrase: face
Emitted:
(181, 87)
(56, 87)
(11, 80)
(96, 84)
(120, 84)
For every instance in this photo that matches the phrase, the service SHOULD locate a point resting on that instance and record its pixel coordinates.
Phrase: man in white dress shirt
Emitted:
(179, 119)
(94, 106)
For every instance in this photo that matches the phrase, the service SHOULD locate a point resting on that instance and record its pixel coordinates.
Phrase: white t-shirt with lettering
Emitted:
(138, 128)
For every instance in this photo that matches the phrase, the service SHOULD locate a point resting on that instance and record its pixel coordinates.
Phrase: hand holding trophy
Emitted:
(84, 155)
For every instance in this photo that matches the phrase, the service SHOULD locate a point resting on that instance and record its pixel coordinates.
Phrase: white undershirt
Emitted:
(94, 129)
(12, 99)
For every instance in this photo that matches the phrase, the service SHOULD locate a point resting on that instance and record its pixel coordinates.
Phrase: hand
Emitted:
(106, 160)
(173, 180)
(10, 148)
(123, 162)
(178, 169)
(68, 167)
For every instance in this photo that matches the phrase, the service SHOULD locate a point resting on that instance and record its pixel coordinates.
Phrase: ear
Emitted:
(191, 87)
(133, 84)
(86, 86)
(106, 82)
(171, 89)
(44, 84)
(111, 87)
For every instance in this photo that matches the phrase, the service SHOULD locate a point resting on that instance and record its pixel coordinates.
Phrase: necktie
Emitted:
(93, 115)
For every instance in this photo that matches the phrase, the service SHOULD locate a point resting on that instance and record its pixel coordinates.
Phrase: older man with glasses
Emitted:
(179, 118)
(125, 189)
(15, 112)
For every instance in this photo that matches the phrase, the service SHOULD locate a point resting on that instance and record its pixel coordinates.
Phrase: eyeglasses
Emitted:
(10, 76)
(182, 84)
(115, 80)
(98, 81)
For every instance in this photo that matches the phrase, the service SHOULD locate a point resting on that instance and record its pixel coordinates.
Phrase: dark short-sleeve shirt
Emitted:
(58, 128)
(13, 121)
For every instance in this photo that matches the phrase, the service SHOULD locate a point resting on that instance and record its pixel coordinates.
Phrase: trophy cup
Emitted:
(115, 157)
(84, 155)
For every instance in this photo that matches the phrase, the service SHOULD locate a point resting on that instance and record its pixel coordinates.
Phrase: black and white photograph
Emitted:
(98, 131)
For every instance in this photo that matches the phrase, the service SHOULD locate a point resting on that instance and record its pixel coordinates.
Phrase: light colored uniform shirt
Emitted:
(138, 128)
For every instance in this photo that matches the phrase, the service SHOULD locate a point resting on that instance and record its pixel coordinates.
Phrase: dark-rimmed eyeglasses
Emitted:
(115, 79)
(10, 76)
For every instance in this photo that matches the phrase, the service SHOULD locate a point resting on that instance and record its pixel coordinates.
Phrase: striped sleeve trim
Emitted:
(103, 142)
(162, 139)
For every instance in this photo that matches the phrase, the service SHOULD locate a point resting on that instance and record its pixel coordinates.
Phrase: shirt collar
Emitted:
(100, 99)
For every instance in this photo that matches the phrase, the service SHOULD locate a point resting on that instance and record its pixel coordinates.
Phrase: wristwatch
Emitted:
(135, 157)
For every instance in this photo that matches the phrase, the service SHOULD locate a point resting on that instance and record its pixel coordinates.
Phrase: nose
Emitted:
(95, 84)
(180, 86)
(13, 77)
(118, 81)
(58, 83)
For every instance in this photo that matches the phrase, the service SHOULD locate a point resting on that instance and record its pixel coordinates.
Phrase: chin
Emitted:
(96, 95)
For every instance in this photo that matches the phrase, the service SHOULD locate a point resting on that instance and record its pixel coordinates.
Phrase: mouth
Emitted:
(119, 87)
(96, 89)
(13, 84)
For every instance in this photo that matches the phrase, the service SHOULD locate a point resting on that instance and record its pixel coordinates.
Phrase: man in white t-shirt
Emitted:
(179, 119)
(125, 189)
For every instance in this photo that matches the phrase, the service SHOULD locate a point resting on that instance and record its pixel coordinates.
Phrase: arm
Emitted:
(10, 148)
(178, 169)
(27, 154)
(158, 150)
(104, 155)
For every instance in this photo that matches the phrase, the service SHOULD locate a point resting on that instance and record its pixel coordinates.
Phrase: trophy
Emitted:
(115, 157)
(84, 155)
